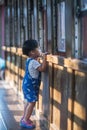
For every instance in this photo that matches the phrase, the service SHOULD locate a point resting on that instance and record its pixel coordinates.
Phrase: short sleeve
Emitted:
(35, 64)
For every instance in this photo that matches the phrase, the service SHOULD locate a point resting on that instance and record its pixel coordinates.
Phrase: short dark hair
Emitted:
(28, 46)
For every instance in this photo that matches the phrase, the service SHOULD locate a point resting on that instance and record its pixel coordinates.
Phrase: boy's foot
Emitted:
(26, 124)
(30, 121)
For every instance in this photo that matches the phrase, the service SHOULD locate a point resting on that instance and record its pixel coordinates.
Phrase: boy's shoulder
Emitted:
(33, 61)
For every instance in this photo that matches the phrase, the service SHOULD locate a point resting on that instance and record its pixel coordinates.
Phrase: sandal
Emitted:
(26, 124)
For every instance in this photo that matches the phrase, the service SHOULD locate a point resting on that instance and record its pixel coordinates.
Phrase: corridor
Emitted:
(11, 109)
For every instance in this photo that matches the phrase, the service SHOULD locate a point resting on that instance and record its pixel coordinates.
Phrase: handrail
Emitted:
(75, 64)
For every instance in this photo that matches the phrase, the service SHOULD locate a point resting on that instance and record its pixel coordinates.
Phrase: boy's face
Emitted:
(36, 53)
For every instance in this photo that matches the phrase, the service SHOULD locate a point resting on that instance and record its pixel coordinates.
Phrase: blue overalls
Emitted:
(30, 85)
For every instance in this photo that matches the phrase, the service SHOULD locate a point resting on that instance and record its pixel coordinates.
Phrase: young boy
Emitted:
(31, 80)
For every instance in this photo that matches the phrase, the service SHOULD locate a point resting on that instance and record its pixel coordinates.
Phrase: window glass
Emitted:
(84, 4)
(84, 36)
(61, 27)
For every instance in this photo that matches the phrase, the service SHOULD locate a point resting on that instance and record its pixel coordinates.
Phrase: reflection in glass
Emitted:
(84, 4)
(61, 27)
(84, 36)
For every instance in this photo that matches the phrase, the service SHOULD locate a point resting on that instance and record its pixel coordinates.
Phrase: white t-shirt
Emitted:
(32, 68)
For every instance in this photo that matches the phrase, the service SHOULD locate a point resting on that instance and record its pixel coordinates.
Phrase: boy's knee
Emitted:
(32, 104)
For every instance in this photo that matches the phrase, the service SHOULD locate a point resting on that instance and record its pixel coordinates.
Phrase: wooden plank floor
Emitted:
(11, 109)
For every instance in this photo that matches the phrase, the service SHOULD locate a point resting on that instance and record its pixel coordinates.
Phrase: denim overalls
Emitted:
(30, 85)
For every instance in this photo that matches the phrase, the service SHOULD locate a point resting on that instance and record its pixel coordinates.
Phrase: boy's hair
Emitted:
(28, 46)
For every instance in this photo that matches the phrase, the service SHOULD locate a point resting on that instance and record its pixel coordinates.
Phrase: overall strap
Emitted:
(27, 63)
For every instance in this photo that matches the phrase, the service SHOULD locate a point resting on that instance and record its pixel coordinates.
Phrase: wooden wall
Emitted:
(62, 96)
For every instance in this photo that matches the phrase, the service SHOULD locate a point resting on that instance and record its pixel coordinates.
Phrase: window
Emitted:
(81, 29)
(84, 36)
(84, 4)
(61, 27)
(84, 27)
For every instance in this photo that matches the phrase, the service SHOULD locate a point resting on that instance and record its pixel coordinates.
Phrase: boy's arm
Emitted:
(42, 68)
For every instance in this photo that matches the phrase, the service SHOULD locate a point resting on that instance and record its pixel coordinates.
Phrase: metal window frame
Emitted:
(83, 12)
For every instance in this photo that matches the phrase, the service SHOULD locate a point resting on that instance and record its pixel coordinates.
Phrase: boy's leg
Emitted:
(25, 106)
(29, 110)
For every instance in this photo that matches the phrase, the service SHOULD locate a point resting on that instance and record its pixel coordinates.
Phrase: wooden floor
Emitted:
(11, 109)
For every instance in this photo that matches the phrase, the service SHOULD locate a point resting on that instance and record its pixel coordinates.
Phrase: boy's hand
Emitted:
(46, 53)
